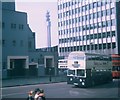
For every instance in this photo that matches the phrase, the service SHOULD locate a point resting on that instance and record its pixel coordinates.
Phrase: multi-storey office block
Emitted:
(88, 25)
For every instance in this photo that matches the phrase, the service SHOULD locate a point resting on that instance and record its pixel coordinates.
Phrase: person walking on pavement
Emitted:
(30, 96)
(39, 95)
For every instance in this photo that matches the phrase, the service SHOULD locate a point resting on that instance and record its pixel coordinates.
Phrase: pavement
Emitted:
(32, 80)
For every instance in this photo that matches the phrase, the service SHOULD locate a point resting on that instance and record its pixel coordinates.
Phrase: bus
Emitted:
(88, 69)
(116, 66)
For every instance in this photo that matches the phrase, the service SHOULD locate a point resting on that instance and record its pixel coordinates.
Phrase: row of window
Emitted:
(88, 27)
(79, 19)
(88, 47)
(86, 7)
(13, 26)
(87, 37)
(91, 57)
(98, 14)
(116, 68)
(102, 58)
(14, 43)
(116, 59)
(75, 20)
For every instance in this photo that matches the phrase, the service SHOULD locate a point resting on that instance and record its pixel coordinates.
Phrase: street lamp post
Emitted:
(50, 79)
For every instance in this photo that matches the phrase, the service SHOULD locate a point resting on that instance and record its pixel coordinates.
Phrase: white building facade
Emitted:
(88, 25)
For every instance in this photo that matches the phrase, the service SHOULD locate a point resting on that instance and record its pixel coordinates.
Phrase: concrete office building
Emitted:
(19, 55)
(92, 26)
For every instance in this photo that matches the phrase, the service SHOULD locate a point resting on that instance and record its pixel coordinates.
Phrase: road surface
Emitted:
(63, 90)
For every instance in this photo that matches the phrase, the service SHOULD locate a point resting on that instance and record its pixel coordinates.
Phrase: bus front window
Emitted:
(80, 72)
(71, 72)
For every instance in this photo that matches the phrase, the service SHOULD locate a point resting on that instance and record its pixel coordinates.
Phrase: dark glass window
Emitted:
(91, 6)
(113, 33)
(100, 46)
(75, 20)
(99, 35)
(113, 22)
(77, 48)
(108, 23)
(91, 36)
(103, 35)
(113, 45)
(72, 21)
(66, 22)
(80, 48)
(112, 11)
(70, 30)
(83, 8)
(99, 4)
(95, 25)
(99, 25)
(87, 27)
(96, 46)
(72, 11)
(87, 7)
(58, 7)
(108, 12)
(67, 13)
(103, 3)
(76, 29)
(104, 24)
(108, 46)
(73, 30)
(91, 26)
(13, 26)
(91, 16)
(99, 14)
(69, 21)
(14, 43)
(76, 10)
(95, 36)
(92, 46)
(104, 13)
(84, 28)
(104, 46)
(94, 4)
(69, 4)
(108, 34)
(88, 47)
(83, 18)
(94, 15)
(79, 9)
(87, 17)
(88, 37)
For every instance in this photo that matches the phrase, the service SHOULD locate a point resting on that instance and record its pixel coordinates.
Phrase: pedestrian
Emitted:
(39, 94)
(30, 96)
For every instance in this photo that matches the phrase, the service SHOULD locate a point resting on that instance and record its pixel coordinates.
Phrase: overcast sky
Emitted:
(36, 12)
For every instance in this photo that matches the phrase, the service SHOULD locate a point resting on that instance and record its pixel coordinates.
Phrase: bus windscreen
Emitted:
(71, 72)
(80, 72)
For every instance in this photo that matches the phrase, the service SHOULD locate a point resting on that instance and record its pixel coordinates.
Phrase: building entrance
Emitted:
(49, 67)
(17, 66)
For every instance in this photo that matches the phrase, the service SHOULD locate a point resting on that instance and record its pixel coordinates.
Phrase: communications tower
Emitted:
(48, 29)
